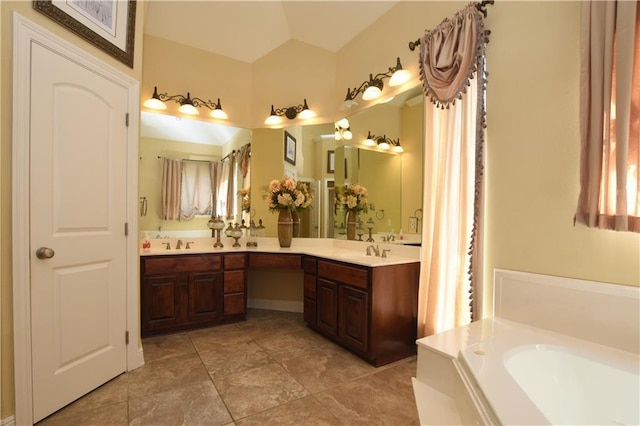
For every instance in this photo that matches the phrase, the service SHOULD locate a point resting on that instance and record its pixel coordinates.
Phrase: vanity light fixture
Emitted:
(383, 143)
(188, 105)
(343, 130)
(301, 111)
(372, 88)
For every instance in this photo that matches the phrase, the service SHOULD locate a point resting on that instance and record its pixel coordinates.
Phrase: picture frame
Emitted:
(107, 24)
(289, 148)
(331, 161)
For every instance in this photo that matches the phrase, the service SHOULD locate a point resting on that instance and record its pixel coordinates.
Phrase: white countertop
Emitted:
(345, 251)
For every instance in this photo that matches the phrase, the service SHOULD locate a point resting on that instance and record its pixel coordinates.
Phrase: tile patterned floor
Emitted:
(269, 370)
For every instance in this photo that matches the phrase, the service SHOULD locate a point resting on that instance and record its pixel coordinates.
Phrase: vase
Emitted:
(351, 225)
(295, 216)
(285, 228)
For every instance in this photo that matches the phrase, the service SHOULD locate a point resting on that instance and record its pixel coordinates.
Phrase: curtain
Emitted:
(610, 116)
(171, 187)
(195, 196)
(453, 77)
(216, 178)
(223, 188)
(244, 164)
(231, 189)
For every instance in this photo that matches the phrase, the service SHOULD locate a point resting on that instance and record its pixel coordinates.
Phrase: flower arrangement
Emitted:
(245, 195)
(353, 197)
(286, 194)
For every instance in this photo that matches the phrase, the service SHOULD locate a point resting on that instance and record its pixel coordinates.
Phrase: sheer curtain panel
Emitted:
(452, 65)
(171, 188)
(610, 116)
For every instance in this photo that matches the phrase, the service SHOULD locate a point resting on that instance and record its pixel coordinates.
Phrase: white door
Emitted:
(78, 155)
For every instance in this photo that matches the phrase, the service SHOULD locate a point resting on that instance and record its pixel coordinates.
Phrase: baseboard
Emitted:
(9, 421)
(276, 305)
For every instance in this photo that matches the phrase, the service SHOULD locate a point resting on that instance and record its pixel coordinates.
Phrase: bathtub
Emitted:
(533, 376)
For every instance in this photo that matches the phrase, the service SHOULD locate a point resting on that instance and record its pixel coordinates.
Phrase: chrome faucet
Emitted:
(375, 249)
(179, 245)
(384, 252)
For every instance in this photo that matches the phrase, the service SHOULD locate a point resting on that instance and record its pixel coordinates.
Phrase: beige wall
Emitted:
(6, 15)
(411, 136)
(532, 145)
(533, 151)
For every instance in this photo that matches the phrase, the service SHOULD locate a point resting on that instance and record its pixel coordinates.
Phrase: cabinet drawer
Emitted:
(310, 286)
(309, 265)
(275, 261)
(357, 277)
(182, 263)
(234, 304)
(233, 281)
(235, 261)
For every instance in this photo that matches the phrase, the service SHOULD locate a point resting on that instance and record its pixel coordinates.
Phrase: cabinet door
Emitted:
(354, 318)
(206, 296)
(160, 302)
(327, 307)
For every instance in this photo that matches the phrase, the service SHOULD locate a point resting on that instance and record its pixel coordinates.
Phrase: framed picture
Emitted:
(331, 161)
(289, 148)
(107, 24)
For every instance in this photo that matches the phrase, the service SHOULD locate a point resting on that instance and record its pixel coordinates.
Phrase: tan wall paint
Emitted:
(6, 65)
(177, 69)
(533, 151)
(412, 129)
(532, 148)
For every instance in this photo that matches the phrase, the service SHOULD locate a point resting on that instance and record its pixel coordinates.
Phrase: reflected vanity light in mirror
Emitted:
(343, 130)
(188, 105)
(383, 143)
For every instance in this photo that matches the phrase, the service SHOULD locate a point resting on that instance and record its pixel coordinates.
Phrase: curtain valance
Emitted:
(450, 54)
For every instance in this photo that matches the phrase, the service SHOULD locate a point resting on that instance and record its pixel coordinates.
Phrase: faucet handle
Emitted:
(384, 252)
(168, 245)
(187, 247)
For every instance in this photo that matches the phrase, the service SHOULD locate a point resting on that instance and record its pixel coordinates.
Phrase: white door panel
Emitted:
(78, 206)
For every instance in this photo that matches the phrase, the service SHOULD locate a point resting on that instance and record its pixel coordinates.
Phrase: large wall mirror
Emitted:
(188, 139)
(393, 181)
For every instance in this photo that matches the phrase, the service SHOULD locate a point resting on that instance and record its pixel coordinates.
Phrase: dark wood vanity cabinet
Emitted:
(235, 286)
(189, 291)
(371, 311)
(309, 265)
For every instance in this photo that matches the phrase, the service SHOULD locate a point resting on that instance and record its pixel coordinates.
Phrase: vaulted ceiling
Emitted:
(249, 30)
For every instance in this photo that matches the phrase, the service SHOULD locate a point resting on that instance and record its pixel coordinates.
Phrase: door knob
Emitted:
(45, 253)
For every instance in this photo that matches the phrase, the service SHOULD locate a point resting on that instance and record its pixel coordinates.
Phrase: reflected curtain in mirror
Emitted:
(171, 187)
(610, 116)
(452, 64)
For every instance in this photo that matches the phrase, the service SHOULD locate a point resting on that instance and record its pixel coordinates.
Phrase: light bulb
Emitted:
(384, 145)
(306, 114)
(338, 135)
(343, 123)
(372, 92)
(369, 142)
(347, 135)
(273, 120)
(188, 109)
(219, 114)
(154, 103)
(398, 149)
(399, 77)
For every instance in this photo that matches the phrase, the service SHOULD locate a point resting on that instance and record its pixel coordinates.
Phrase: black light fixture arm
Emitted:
(181, 99)
(290, 112)
(376, 80)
